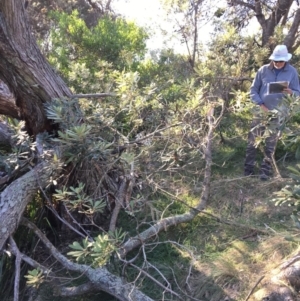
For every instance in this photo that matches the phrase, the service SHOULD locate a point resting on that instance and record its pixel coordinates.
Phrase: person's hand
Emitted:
(264, 108)
(288, 91)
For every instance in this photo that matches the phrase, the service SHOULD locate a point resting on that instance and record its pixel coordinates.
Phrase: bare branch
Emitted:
(242, 3)
(96, 95)
(77, 290)
(119, 201)
(165, 223)
(155, 281)
(17, 270)
(100, 277)
(14, 250)
(289, 39)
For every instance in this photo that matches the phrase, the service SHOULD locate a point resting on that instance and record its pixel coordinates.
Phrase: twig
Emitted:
(119, 202)
(273, 159)
(254, 287)
(101, 277)
(148, 264)
(96, 95)
(268, 227)
(50, 207)
(192, 257)
(18, 269)
(14, 250)
(156, 281)
(74, 221)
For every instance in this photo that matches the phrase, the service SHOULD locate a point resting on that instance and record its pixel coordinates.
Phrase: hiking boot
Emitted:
(264, 177)
(248, 173)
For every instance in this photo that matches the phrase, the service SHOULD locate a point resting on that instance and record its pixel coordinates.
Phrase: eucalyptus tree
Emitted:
(189, 17)
(270, 14)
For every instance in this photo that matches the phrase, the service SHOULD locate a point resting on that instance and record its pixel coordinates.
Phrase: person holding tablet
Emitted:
(278, 70)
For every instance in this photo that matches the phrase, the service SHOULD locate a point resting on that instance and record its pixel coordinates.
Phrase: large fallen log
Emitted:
(15, 197)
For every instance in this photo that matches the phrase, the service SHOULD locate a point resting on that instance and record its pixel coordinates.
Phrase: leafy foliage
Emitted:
(34, 278)
(76, 198)
(80, 53)
(98, 251)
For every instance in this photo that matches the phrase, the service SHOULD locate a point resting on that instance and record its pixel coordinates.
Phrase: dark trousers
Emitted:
(258, 130)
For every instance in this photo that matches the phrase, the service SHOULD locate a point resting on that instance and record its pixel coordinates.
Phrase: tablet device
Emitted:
(277, 87)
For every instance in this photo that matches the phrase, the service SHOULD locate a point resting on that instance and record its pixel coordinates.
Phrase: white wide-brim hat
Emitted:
(280, 53)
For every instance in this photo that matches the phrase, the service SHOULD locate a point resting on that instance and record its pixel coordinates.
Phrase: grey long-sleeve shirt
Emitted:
(266, 74)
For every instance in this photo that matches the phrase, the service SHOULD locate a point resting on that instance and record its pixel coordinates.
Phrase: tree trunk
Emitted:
(268, 25)
(271, 16)
(24, 69)
(16, 196)
(290, 38)
(8, 105)
(5, 137)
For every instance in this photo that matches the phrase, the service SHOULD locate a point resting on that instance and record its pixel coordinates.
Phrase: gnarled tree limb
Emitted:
(16, 196)
(99, 277)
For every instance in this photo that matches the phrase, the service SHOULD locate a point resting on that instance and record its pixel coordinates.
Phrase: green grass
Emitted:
(229, 259)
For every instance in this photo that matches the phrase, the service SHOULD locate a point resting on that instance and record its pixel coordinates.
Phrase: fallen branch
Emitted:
(88, 287)
(17, 269)
(100, 277)
(167, 222)
(15, 197)
(282, 282)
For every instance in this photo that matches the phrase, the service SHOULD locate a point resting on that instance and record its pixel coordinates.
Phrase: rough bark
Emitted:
(16, 196)
(24, 69)
(8, 105)
(5, 136)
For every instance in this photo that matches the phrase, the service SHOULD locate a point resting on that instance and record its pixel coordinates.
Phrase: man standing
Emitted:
(278, 70)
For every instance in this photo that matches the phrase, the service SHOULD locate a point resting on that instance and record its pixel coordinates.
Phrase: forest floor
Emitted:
(230, 247)
(251, 237)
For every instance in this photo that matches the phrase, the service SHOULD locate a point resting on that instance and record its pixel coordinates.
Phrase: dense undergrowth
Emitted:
(224, 251)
